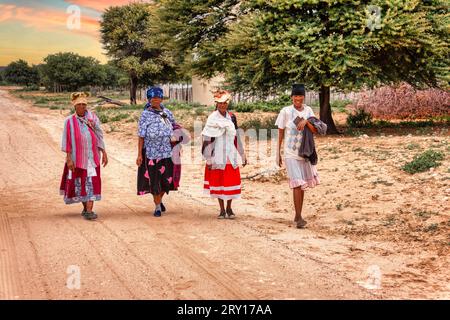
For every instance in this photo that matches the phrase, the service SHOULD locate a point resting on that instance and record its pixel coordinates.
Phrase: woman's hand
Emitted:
(301, 125)
(104, 158)
(70, 163)
(139, 160)
(244, 161)
(280, 160)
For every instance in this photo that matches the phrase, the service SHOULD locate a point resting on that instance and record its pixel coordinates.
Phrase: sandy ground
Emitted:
(374, 231)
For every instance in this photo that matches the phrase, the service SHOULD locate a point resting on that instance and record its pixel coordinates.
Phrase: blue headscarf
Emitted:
(154, 92)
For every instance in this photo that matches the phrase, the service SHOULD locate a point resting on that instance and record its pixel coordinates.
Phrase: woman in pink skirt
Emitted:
(82, 141)
(221, 144)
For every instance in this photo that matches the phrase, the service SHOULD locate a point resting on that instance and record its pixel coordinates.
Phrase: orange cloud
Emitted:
(99, 5)
(47, 19)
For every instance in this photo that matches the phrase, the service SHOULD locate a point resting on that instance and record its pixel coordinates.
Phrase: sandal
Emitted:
(230, 214)
(301, 224)
(90, 215)
(221, 215)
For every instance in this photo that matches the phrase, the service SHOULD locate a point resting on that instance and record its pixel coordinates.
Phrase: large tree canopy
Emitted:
(19, 72)
(71, 71)
(128, 38)
(265, 46)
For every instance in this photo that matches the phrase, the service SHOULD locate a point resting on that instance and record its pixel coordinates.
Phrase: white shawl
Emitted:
(222, 129)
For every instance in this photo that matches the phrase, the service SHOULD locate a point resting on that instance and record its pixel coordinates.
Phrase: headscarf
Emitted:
(222, 96)
(154, 92)
(79, 98)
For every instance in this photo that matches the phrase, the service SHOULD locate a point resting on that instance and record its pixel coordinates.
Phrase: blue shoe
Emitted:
(163, 209)
(157, 213)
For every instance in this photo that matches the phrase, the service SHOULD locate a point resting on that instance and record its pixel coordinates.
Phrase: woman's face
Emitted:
(298, 101)
(80, 109)
(222, 107)
(156, 102)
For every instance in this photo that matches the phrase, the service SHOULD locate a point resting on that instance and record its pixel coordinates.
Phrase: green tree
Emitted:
(264, 46)
(112, 75)
(71, 71)
(129, 39)
(191, 29)
(19, 72)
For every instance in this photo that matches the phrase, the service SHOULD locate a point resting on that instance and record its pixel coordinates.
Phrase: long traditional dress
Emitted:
(82, 138)
(220, 148)
(155, 174)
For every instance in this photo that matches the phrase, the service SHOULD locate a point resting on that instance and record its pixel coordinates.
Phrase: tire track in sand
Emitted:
(9, 284)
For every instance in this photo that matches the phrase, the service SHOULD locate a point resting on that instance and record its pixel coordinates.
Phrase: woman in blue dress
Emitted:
(155, 172)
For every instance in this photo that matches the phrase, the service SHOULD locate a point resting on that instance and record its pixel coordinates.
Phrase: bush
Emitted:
(274, 105)
(340, 105)
(102, 117)
(403, 101)
(423, 162)
(359, 119)
(258, 124)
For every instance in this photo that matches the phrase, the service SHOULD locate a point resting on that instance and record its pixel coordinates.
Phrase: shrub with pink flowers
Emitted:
(404, 102)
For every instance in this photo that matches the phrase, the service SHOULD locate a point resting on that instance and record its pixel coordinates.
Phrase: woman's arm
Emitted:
(208, 149)
(69, 161)
(311, 127)
(280, 143)
(140, 147)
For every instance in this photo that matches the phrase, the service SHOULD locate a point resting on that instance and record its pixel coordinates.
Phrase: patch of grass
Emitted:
(424, 214)
(431, 228)
(340, 105)
(339, 206)
(176, 105)
(56, 108)
(199, 111)
(359, 119)
(354, 133)
(424, 161)
(119, 117)
(112, 128)
(412, 146)
(274, 105)
(332, 150)
(103, 117)
(383, 182)
(348, 222)
(390, 220)
(258, 124)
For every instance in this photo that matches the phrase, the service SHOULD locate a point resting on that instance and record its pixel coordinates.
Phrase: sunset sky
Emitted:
(30, 30)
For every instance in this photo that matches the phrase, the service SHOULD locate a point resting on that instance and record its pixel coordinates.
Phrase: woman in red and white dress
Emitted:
(221, 145)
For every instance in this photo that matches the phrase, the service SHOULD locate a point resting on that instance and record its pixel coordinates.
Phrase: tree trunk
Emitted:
(325, 109)
(133, 89)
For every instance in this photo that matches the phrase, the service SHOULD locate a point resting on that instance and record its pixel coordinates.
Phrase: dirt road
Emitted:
(129, 254)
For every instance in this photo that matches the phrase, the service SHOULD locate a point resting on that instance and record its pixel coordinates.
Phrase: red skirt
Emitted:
(223, 184)
(79, 187)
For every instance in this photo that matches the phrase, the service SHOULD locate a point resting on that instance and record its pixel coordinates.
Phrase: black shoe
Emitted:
(157, 213)
(221, 215)
(83, 213)
(90, 215)
(230, 214)
(163, 209)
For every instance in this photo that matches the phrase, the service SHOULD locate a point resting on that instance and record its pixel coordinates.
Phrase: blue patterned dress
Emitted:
(155, 175)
